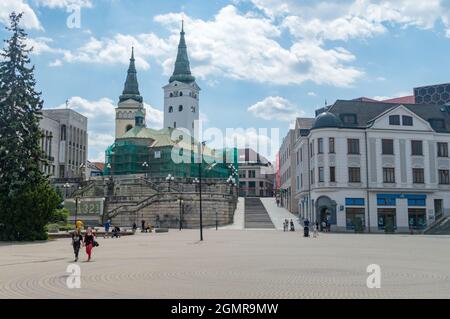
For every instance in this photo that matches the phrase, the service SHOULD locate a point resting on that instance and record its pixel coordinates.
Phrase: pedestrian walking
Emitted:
(316, 230)
(77, 240)
(134, 227)
(306, 228)
(292, 226)
(107, 225)
(79, 224)
(142, 226)
(89, 242)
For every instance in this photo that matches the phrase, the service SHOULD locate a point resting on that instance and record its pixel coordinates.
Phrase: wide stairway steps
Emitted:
(256, 216)
(441, 228)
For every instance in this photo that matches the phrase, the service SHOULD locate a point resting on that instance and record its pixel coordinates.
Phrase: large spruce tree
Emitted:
(27, 200)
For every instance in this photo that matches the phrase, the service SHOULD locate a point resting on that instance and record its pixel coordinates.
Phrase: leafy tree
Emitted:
(27, 200)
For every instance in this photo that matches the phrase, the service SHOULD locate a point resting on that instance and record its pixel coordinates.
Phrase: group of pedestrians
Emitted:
(88, 241)
(288, 226)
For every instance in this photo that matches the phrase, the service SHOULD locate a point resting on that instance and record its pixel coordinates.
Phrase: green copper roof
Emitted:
(131, 89)
(182, 72)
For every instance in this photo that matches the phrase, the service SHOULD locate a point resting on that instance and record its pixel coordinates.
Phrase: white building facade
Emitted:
(375, 167)
(65, 143)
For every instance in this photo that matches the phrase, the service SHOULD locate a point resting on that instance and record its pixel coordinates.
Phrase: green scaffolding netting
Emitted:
(136, 157)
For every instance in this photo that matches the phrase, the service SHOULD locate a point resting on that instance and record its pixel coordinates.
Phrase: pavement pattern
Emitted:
(232, 264)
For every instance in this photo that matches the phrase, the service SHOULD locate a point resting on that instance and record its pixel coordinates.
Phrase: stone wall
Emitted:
(132, 199)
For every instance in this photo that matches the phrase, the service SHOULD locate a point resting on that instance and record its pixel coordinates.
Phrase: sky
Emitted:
(260, 63)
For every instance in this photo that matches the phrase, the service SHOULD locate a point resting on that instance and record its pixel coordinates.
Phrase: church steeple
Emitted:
(182, 72)
(131, 89)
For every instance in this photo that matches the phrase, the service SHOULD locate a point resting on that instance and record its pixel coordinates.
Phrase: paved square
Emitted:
(232, 264)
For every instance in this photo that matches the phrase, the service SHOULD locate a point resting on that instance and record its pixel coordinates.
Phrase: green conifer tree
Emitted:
(27, 200)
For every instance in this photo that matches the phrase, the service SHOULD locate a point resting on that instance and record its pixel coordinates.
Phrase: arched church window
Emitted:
(180, 108)
(171, 109)
(181, 93)
(171, 94)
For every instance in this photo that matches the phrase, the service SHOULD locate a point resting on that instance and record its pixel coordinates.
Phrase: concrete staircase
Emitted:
(256, 215)
(441, 227)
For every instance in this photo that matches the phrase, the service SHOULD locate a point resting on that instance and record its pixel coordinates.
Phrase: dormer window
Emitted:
(348, 119)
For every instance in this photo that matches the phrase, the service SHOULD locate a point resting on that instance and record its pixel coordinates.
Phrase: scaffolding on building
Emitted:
(131, 157)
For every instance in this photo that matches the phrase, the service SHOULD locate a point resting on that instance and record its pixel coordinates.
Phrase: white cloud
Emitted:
(101, 122)
(55, 64)
(275, 108)
(312, 94)
(29, 21)
(64, 3)
(233, 45)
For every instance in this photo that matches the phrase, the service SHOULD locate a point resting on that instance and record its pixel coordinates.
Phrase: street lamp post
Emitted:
(146, 168)
(181, 213)
(198, 182)
(66, 187)
(169, 179)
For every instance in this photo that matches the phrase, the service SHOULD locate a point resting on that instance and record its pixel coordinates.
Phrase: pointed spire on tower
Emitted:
(182, 72)
(131, 88)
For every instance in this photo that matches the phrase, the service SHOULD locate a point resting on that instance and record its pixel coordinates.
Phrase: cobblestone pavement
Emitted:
(232, 264)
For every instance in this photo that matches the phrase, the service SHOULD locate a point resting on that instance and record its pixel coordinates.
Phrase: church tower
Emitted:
(130, 102)
(181, 95)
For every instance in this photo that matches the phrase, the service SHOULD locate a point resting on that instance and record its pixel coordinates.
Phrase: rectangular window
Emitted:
(417, 148)
(387, 219)
(320, 146)
(332, 174)
(321, 175)
(251, 174)
(418, 176)
(444, 178)
(312, 176)
(354, 175)
(331, 145)
(417, 218)
(388, 175)
(353, 146)
(442, 149)
(355, 219)
(157, 154)
(407, 120)
(387, 147)
(394, 120)
(301, 154)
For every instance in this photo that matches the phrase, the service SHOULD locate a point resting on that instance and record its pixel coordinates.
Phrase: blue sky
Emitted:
(260, 63)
